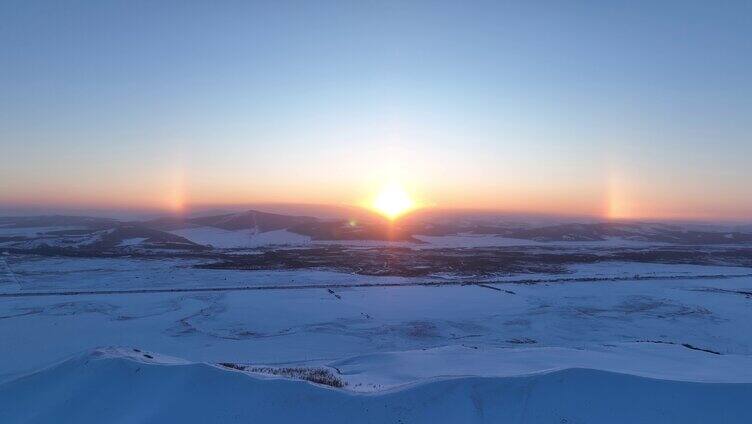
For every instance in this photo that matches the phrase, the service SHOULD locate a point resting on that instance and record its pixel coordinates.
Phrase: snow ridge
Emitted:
(131, 386)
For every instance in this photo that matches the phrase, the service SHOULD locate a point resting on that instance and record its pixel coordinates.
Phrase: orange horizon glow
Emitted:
(175, 191)
(613, 211)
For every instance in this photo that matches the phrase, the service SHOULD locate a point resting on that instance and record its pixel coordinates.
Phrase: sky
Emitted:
(612, 109)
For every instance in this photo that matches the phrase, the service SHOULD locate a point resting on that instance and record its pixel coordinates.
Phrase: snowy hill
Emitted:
(55, 221)
(241, 230)
(227, 239)
(130, 386)
(92, 240)
(235, 230)
(250, 220)
(662, 233)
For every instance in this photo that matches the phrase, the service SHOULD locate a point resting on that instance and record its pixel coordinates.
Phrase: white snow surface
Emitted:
(385, 370)
(38, 237)
(102, 387)
(468, 240)
(227, 239)
(135, 241)
(670, 349)
(32, 231)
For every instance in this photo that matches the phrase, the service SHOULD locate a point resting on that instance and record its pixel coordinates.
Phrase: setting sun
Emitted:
(392, 201)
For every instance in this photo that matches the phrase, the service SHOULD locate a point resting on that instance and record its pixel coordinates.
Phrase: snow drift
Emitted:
(128, 386)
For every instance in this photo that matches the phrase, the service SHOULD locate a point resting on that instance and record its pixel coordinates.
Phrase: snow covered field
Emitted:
(652, 334)
(250, 238)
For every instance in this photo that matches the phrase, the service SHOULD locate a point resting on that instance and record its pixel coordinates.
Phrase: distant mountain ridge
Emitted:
(82, 232)
(252, 219)
(55, 221)
(663, 233)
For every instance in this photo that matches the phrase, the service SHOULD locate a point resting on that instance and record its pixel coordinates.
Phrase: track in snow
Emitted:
(7, 275)
(485, 284)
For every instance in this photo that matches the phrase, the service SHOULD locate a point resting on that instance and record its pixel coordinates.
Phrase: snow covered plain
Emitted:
(661, 343)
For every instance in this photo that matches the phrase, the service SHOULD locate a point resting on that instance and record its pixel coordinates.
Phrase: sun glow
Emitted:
(392, 201)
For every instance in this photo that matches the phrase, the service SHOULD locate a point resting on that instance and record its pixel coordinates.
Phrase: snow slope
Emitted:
(228, 239)
(385, 370)
(136, 387)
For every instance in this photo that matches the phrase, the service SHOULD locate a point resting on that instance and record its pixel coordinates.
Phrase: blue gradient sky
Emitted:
(623, 110)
